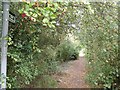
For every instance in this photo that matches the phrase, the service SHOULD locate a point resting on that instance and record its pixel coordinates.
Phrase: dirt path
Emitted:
(72, 74)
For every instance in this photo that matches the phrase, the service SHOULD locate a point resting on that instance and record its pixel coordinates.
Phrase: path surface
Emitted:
(72, 74)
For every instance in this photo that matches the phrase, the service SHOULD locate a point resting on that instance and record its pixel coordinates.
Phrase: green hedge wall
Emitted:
(100, 33)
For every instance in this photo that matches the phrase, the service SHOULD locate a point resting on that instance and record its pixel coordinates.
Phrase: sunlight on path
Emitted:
(81, 53)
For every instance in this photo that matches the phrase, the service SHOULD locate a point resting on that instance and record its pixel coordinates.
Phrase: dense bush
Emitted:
(32, 43)
(27, 58)
(100, 34)
(67, 51)
(30, 46)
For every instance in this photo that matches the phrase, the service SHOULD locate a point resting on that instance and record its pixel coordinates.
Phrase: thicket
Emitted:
(67, 51)
(34, 41)
(37, 42)
(100, 35)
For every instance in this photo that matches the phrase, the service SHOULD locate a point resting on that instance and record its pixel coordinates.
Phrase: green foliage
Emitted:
(42, 13)
(100, 36)
(101, 74)
(67, 51)
(43, 82)
(32, 42)
(22, 55)
(27, 58)
(48, 82)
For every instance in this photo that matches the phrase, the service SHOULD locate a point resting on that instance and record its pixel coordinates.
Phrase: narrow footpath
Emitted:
(72, 74)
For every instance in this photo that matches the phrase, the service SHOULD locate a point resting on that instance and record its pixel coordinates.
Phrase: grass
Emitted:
(44, 81)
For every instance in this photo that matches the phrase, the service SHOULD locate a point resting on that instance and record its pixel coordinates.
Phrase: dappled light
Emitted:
(82, 52)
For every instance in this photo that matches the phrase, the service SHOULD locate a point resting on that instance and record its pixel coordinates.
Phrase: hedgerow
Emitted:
(100, 32)
(32, 42)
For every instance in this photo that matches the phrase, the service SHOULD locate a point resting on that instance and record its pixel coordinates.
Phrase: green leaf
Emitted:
(53, 16)
(27, 7)
(20, 11)
(45, 20)
(53, 22)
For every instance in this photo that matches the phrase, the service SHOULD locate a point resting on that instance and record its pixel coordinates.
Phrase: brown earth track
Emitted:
(73, 74)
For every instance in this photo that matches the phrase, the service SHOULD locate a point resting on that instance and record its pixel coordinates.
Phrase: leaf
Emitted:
(53, 16)
(56, 5)
(20, 11)
(53, 22)
(27, 7)
(45, 20)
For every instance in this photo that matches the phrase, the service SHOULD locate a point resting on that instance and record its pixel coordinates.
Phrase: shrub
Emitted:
(100, 29)
(67, 51)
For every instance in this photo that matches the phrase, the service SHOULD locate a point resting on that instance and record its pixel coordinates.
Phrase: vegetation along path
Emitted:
(73, 74)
